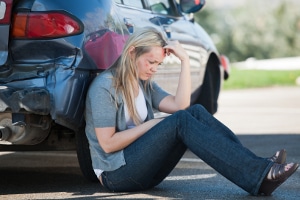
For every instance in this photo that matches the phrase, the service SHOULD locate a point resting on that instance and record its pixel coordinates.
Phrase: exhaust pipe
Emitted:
(5, 133)
(23, 129)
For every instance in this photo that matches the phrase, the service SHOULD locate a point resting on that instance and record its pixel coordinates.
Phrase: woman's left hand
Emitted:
(181, 100)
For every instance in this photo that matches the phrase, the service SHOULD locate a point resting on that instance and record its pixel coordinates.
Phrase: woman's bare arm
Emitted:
(181, 100)
(112, 141)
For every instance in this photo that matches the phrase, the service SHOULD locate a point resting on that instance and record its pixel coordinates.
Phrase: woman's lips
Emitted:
(149, 75)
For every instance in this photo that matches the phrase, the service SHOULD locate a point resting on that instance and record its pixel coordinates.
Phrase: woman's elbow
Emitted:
(108, 151)
(107, 148)
(183, 106)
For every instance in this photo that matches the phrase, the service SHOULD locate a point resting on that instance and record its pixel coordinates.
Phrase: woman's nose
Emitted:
(153, 69)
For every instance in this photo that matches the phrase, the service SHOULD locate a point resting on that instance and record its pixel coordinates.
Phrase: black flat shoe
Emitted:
(276, 176)
(279, 157)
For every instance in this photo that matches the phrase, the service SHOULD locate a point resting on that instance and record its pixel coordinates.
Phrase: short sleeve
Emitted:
(102, 104)
(157, 95)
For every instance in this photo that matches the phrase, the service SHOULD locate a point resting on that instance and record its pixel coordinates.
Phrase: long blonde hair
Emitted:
(126, 78)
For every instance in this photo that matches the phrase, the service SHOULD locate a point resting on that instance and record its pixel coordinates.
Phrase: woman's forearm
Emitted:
(112, 142)
(183, 93)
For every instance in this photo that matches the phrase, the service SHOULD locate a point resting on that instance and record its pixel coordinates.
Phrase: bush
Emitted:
(254, 30)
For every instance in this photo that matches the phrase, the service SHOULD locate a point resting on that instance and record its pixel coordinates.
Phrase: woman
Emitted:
(132, 151)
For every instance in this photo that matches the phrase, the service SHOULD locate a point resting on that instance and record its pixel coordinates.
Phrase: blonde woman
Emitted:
(132, 151)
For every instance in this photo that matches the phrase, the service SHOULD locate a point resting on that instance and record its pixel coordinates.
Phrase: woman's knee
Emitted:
(197, 108)
(181, 114)
(182, 118)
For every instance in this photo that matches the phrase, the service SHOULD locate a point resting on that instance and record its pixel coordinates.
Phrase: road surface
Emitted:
(264, 119)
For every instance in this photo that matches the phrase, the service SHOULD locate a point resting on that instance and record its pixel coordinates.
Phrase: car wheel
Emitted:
(207, 94)
(84, 156)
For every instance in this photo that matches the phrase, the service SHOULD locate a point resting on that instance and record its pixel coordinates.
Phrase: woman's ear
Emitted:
(131, 50)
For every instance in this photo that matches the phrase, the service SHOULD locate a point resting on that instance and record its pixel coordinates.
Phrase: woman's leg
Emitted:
(196, 129)
(148, 161)
(218, 146)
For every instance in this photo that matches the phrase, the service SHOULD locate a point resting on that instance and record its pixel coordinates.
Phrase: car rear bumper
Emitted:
(33, 100)
(59, 94)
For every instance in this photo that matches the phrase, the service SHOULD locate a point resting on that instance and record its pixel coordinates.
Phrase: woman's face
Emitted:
(148, 63)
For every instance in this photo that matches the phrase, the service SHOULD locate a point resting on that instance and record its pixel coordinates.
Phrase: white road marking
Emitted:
(190, 177)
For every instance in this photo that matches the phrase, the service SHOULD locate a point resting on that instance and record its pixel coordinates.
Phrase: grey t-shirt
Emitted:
(102, 110)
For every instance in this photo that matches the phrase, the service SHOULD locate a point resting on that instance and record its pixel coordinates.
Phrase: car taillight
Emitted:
(226, 65)
(44, 25)
(5, 11)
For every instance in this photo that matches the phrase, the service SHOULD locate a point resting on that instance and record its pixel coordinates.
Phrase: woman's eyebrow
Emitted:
(156, 61)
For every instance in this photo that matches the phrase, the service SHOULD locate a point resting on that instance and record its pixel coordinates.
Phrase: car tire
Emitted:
(84, 156)
(207, 95)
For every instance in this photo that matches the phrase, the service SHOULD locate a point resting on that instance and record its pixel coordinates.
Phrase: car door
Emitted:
(134, 14)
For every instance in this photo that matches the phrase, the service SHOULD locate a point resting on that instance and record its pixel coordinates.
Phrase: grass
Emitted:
(241, 78)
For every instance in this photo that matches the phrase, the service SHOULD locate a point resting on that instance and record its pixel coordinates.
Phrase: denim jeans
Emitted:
(154, 155)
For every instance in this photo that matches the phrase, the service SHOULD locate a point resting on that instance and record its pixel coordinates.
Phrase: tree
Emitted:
(254, 30)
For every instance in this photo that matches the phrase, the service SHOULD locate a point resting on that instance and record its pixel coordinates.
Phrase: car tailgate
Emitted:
(5, 18)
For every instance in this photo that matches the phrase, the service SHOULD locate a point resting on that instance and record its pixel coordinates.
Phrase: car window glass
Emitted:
(133, 3)
(161, 7)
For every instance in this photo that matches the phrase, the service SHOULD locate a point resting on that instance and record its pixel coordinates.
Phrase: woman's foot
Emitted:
(279, 157)
(276, 176)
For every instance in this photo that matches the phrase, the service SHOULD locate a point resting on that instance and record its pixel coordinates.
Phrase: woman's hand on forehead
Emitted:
(175, 48)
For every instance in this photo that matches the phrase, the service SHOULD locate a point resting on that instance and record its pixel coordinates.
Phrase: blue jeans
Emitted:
(154, 155)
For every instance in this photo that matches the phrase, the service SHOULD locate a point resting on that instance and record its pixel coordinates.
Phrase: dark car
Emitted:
(50, 51)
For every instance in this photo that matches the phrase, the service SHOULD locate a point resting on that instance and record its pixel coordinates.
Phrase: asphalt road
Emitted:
(264, 119)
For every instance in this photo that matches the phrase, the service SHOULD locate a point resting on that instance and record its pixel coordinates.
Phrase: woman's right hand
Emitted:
(112, 141)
